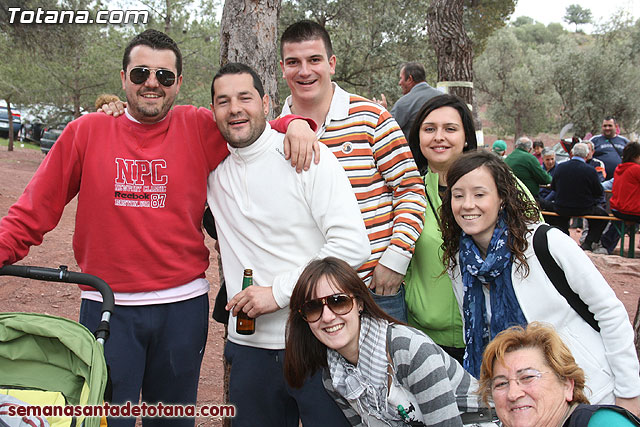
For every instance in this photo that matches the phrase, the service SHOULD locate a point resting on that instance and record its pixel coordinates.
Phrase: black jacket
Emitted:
(576, 185)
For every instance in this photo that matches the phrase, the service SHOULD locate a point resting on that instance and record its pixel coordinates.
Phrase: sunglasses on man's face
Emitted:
(139, 75)
(311, 310)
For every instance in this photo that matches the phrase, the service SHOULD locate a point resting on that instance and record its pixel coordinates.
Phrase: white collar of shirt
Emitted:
(254, 150)
(339, 109)
(130, 117)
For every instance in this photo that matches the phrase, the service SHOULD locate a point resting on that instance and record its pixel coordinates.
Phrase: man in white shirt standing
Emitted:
(273, 220)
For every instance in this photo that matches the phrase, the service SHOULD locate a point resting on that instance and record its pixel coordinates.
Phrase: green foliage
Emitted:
(598, 78)
(483, 17)
(522, 20)
(535, 78)
(62, 65)
(12, 67)
(511, 79)
(576, 14)
(67, 66)
(536, 35)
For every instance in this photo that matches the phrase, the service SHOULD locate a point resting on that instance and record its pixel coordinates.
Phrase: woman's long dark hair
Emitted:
(519, 209)
(630, 152)
(444, 100)
(304, 354)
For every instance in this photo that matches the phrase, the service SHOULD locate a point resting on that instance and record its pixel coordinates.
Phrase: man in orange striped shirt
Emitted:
(373, 151)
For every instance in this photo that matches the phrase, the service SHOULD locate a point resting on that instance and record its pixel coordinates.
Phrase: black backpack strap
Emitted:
(557, 277)
(583, 413)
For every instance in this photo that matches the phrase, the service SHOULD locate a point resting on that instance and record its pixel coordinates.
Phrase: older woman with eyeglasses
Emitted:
(533, 380)
(378, 371)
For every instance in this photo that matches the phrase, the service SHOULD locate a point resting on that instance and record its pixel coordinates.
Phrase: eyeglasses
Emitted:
(311, 310)
(524, 378)
(139, 75)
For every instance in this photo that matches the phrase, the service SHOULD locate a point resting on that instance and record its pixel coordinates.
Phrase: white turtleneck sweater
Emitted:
(273, 220)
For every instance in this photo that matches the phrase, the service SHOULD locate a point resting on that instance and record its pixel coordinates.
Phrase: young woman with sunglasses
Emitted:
(378, 371)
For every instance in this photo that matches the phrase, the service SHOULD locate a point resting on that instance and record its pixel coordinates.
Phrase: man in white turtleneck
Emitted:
(274, 221)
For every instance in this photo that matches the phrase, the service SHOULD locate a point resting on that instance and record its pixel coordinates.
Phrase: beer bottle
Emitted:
(246, 325)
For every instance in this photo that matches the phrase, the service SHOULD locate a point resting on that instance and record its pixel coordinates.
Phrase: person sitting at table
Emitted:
(624, 202)
(578, 192)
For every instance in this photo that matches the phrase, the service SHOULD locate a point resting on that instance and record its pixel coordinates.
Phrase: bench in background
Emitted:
(620, 225)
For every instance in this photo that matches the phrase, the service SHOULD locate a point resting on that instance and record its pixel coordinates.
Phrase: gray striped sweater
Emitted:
(441, 386)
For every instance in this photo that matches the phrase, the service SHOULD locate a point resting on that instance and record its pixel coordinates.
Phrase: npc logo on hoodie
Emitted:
(141, 183)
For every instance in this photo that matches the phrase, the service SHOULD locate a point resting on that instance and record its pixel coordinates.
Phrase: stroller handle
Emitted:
(63, 275)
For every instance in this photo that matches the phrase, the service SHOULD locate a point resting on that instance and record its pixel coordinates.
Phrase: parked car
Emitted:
(4, 122)
(561, 150)
(31, 132)
(49, 137)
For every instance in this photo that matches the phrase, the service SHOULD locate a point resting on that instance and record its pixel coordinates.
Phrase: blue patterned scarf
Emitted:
(494, 270)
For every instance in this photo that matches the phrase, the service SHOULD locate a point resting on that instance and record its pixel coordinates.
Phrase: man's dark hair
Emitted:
(238, 68)
(607, 118)
(415, 70)
(155, 40)
(305, 30)
(538, 143)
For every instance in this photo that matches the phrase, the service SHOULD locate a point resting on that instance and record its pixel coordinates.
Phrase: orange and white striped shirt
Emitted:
(372, 149)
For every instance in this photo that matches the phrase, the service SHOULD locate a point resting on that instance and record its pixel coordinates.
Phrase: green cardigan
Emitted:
(432, 306)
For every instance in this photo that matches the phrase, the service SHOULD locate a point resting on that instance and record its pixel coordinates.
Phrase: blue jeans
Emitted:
(610, 238)
(394, 305)
(154, 348)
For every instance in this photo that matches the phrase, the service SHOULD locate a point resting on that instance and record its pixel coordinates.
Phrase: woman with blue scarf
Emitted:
(488, 227)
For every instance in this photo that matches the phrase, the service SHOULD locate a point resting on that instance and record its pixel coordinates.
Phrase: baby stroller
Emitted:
(50, 361)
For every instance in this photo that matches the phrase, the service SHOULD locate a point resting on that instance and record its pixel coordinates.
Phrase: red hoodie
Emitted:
(626, 186)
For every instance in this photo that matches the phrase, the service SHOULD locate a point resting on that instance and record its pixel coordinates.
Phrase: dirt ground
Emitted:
(60, 299)
(16, 169)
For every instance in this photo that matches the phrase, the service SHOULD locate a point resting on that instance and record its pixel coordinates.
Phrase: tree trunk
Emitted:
(452, 45)
(226, 366)
(249, 34)
(636, 328)
(10, 131)
(76, 106)
(518, 128)
(167, 17)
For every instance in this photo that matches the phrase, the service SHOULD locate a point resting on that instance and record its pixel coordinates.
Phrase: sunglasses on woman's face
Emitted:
(311, 310)
(139, 75)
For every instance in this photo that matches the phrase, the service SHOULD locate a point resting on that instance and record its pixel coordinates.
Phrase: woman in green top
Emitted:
(442, 131)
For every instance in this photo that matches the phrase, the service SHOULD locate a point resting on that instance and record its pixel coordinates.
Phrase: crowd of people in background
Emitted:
(393, 273)
(581, 186)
